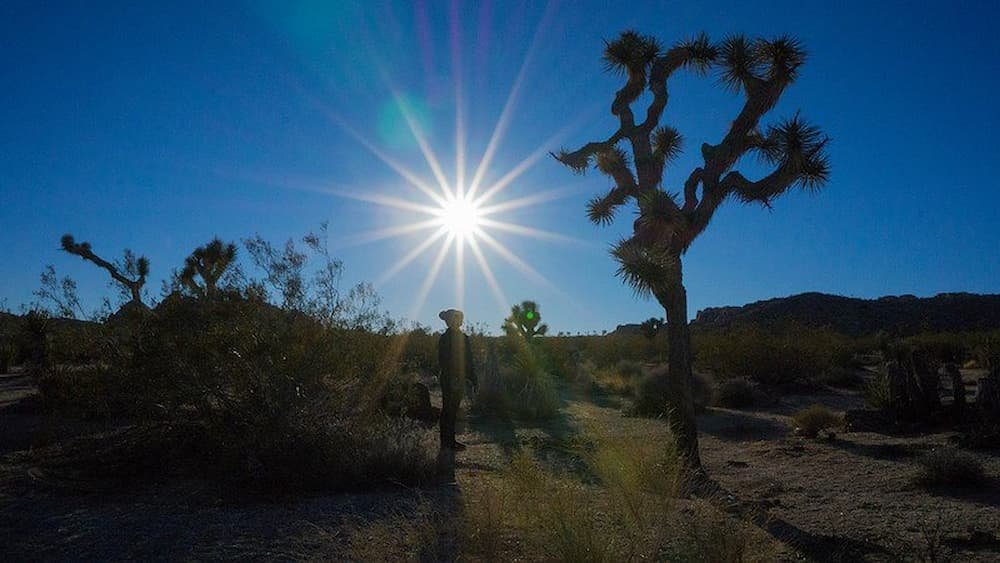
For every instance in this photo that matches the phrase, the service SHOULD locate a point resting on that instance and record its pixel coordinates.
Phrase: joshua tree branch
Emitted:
(691, 190)
(83, 250)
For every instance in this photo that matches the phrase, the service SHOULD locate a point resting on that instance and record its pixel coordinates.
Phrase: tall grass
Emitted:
(632, 512)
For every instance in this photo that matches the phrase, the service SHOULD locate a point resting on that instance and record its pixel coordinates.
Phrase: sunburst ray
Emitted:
(410, 257)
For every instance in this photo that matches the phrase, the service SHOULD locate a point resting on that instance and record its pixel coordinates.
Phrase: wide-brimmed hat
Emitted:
(450, 316)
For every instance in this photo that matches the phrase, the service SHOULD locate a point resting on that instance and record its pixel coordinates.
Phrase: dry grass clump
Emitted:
(814, 419)
(948, 466)
(619, 379)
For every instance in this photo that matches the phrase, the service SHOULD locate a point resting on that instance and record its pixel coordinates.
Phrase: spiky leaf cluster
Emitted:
(208, 262)
(798, 146)
(642, 266)
(743, 61)
(699, 53)
(525, 321)
(630, 53)
(667, 143)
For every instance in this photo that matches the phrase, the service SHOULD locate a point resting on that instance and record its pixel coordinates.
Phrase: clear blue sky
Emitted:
(156, 126)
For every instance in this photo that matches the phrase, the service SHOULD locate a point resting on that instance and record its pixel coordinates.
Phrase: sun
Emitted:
(460, 216)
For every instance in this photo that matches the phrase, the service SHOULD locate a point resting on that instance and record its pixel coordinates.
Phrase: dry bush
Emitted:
(948, 466)
(814, 419)
(735, 394)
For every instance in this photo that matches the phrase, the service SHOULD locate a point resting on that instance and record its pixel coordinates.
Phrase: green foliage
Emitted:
(524, 320)
(948, 466)
(209, 263)
(814, 419)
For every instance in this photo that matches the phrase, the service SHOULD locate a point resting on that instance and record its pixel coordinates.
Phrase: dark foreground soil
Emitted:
(845, 498)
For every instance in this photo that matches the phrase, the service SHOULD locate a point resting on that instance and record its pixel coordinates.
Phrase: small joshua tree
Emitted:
(669, 221)
(651, 327)
(209, 263)
(136, 267)
(524, 320)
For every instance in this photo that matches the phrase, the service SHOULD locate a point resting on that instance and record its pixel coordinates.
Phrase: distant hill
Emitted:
(901, 315)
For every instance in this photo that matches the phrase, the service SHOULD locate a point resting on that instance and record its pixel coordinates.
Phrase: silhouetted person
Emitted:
(455, 359)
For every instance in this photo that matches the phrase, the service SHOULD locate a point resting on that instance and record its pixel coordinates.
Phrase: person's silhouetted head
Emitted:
(452, 317)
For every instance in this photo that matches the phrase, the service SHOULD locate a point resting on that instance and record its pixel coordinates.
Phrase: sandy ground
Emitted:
(842, 499)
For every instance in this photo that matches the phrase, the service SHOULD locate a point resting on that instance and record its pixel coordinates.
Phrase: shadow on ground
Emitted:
(736, 426)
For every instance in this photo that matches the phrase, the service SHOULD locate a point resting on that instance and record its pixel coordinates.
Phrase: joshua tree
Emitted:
(524, 319)
(209, 263)
(137, 267)
(650, 327)
(668, 221)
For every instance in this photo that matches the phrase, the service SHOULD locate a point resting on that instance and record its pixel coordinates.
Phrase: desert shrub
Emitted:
(629, 369)
(948, 466)
(773, 357)
(533, 390)
(653, 391)
(514, 382)
(841, 377)
(492, 396)
(877, 394)
(943, 347)
(277, 399)
(735, 394)
(814, 419)
(702, 391)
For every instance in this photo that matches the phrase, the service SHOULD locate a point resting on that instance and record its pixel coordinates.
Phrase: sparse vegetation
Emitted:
(810, 421)
(788, 355)
(948, 466)
(877, 394)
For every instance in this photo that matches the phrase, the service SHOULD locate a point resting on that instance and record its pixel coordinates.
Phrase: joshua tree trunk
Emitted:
(681, 412)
